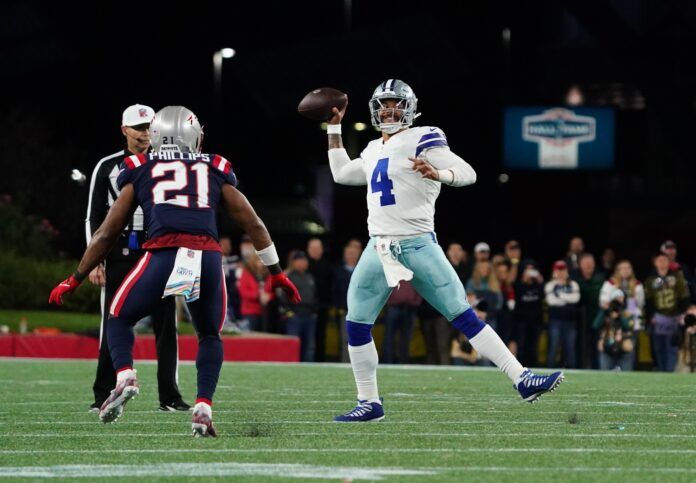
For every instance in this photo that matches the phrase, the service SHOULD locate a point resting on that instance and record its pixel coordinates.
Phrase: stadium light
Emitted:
(218, 56)
(359, 126)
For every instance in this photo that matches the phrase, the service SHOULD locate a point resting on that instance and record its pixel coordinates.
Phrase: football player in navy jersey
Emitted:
(179, 189)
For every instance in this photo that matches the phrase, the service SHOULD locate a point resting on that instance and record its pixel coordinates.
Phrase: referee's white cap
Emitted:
(137, 114)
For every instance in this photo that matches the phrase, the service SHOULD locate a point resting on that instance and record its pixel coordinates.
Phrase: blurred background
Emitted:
(578, 117)
(69, 73)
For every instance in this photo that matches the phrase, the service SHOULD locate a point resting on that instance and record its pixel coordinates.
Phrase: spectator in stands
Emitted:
(461, 351)
(484, 284)
(529, 298)
(513, 254)
(562, 296)
(229, 267)
(506, 322)
(322, 271)
(590, 283)
(341, 280)
(246, 247)
(669, 248)
(625, 280)
(399, 317)
(482, 252)
(666, 299)
(255, 292)
(608, 262)
(576, 247)
(457, 256)
(302, 317)
(615, 328)
(437, 334)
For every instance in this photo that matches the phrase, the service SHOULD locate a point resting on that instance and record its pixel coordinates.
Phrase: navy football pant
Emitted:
(140, 293)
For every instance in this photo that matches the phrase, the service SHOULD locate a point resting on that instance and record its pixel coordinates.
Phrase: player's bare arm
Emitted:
(108, 232)
(335, 140)
(241, 211)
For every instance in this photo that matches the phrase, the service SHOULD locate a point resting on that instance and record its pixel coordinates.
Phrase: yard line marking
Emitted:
(211, 469)
(331, 422)
(390, 434)
(362, 450)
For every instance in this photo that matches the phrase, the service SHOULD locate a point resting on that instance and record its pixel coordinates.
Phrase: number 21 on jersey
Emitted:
(179, 182)
(381, 183)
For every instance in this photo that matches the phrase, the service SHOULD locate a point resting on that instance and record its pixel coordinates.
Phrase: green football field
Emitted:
(275, 424)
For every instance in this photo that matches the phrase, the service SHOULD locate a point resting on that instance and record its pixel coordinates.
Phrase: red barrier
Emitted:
(242, 348)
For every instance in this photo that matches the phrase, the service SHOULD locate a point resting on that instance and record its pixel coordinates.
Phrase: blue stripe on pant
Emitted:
(208, 313)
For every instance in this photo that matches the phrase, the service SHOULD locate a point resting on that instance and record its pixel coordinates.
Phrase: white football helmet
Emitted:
(406, 107)
(176, 128)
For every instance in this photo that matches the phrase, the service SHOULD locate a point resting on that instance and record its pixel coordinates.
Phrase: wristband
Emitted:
(78, 276)
(333, 129)
(268, 255)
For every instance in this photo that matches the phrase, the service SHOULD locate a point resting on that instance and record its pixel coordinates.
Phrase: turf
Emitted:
(275, 425)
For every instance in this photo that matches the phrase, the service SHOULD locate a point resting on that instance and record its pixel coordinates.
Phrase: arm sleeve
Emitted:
(98, 201)
(605, 294)
(551, 297)
(453, 170)
(573, 296)
(344, 170)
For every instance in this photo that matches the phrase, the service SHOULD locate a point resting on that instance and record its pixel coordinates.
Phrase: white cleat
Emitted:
(202, 421)
(124, 391)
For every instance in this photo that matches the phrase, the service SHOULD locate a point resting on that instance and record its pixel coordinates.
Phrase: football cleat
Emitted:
(202, 422)
(124, 391)
(362, 413)
(531, 385)
(174, 405)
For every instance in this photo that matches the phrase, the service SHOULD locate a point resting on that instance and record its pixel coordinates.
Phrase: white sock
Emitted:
(127, 374)
(489, 345)
(363, 360)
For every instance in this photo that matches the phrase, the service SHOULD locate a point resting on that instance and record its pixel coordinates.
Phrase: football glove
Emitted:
(281, 280)
(66, 286)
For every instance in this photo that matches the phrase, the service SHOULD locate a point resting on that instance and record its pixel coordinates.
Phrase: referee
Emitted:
(103, 191)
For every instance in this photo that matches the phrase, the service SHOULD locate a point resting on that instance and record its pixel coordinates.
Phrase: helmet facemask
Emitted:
(402, 115)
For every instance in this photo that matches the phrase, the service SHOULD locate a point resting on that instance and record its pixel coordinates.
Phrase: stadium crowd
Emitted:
(582, 313)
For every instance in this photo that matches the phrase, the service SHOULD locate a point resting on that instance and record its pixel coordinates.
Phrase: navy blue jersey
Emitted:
(178, 192)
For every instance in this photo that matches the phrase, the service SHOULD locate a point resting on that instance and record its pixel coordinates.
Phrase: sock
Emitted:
(125, 373)
(120, 338)
(489, 345)
(208, 365)
(363, 360)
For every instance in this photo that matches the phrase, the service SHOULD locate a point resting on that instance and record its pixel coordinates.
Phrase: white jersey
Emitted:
(399, 200)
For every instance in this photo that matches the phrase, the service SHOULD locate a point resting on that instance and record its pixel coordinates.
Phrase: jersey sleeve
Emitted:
(128, 169)
(432, 137)
(223, 168)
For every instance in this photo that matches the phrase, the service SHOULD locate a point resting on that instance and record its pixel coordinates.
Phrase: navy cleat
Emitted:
(531, 385)
(364, 412)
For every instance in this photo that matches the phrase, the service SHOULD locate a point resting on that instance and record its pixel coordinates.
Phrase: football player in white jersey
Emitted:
(404, 170)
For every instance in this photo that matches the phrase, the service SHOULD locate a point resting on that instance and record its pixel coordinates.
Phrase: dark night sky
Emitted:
(68, 73)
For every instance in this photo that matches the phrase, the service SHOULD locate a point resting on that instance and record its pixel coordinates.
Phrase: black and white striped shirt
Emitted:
(103, 191)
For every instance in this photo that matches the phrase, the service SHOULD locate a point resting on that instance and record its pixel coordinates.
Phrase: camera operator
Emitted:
(687, 342)
(615, 325)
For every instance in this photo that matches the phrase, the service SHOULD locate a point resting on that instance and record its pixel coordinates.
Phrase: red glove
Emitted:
(66, 286)
(280, 280)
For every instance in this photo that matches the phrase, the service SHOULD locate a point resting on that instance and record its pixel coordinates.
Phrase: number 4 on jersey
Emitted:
(381, 183)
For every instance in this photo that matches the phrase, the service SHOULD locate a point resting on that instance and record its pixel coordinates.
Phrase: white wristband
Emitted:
(268, 255)
(333, 129)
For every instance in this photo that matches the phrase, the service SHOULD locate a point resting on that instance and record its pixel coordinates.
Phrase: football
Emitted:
(318, 103)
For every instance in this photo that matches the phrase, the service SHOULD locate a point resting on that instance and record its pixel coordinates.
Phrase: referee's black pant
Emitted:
(164, 326)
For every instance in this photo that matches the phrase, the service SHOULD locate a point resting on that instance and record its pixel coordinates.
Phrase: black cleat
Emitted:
(174, 405)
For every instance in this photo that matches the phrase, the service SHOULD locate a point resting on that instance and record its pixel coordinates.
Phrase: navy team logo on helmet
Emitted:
(402, 115)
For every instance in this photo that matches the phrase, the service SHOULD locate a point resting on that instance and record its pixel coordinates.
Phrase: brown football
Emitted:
(318, 103)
